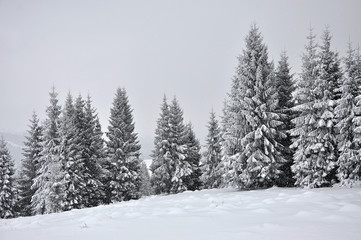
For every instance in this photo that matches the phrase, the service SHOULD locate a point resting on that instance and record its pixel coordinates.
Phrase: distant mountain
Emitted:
(15, 143)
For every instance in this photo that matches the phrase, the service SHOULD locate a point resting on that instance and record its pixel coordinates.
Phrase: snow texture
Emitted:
(276, 213)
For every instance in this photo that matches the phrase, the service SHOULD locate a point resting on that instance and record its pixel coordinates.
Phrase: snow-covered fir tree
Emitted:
(7, 189)
(234, 128)
(193, 156)
(170, 168)
(29, 165)
(161, 174)
(94, 147)
(145, 187)
(314, 142)
(303, 166)
(122, 152)
(212, 156)
(68, 150)
(254, 136)
(284, 85)
(176, 157)
(326, 93)
(49, 185)
(348, 115)
(76, 176)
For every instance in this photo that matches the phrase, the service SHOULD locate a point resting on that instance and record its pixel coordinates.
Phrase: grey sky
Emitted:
(184, 48)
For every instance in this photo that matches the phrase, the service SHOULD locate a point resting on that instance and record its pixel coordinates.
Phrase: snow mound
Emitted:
(276, 213)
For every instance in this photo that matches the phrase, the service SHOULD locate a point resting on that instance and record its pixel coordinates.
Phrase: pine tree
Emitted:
(161, 174)
(255, 162)
(7, 190)
(180, 168)
(122, 152)
(30, 165)
(193, 181)
(284, 85)
(48, 197)
(212, 156)
(145, 187)
(348, 113)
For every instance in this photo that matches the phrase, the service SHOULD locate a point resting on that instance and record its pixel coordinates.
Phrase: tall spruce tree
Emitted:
(161, 172)
(256, 162)
(285, 87)
(30, 165)
(122, 152)
(7, 189)
(348, 114)
(212, 156)
(49, 185)
(193, 181)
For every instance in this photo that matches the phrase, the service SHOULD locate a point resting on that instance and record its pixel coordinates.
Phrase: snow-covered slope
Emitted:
(329, 213)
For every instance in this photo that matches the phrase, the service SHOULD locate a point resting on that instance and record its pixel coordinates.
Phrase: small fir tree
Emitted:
(30, 165)
(181, 169)
(161, 172)
(212, 156)
(49, 185)
(193, 182)
(145, 187)
(7, 190)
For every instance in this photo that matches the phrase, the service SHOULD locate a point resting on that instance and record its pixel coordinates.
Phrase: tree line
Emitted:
(275, 130)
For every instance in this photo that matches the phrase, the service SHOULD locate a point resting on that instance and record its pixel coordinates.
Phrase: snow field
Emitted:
(276, 213)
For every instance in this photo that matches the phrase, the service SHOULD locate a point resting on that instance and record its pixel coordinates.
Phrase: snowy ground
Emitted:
(329, 213)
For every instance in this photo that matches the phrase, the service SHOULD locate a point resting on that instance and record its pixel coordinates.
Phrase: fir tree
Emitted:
(145, 187)
(326, 93)
(68, 149)
(30, 165)
(94, 145)
(303, 166)
(171, 170)
(284, 85)
(256, 160)
(75, 166)
(7, 190)
(161, 174)
(193, 181)
(122, 152)
(48, 197)
(212, 156)
(314, 158)
(180, 168)
(348, 113)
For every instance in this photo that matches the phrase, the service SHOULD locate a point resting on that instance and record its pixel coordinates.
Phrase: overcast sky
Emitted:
(183, 48)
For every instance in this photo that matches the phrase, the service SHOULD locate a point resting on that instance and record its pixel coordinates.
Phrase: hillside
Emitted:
(329, 213)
